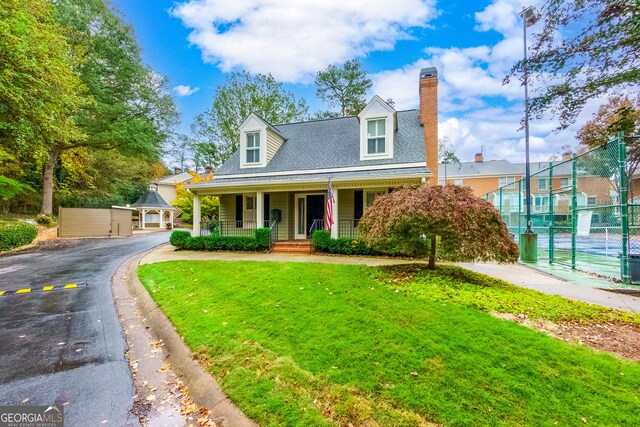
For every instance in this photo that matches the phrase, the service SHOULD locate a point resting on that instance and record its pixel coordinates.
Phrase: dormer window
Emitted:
(378, 123)
(253, 147)
(376, 136)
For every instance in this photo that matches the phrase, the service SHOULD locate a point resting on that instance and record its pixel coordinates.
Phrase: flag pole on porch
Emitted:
(329, 222)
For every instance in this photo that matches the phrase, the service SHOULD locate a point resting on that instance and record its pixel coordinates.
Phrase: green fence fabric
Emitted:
(581, 211)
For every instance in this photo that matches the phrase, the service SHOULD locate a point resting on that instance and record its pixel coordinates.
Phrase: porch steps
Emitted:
(292, 247)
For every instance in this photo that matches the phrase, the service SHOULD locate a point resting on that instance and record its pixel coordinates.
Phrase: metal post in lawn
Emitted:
(624, 209)
(574, 208)
(519, 207)
(550, 212)
(528, 239)
(500, 202)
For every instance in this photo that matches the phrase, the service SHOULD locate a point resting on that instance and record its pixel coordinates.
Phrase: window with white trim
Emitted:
(566, 182)
(507, 182)
(592, 200)
(457, 182)
(376, 136)
(371, 197)
(253, 147)
(542, 184)
(441, 181)
(249, 210)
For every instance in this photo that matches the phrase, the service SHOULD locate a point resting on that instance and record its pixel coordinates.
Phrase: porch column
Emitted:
(259, 209)
(334, 227)
(171, 218)
(142, 215)
(161, 218)
(196, 215)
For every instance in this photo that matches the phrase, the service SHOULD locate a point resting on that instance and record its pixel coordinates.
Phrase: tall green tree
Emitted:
(40, 93)
(584, 49)
(343, 88)
(132, 110)
(218, 128)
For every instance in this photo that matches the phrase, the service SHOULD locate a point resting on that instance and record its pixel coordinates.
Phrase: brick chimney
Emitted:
(567, 155)
(429, 118)
(177, 171)
(479, 157)
(208, 170)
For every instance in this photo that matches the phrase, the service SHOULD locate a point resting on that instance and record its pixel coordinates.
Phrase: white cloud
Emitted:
(294, 39)
(185, 90)
(476, 111)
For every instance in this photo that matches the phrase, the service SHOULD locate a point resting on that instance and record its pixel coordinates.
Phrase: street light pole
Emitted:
(529, 17)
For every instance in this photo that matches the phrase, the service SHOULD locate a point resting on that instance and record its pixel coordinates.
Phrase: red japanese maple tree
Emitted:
(414, 220)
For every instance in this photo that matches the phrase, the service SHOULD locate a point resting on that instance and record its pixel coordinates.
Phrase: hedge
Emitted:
(16, 233)
(323, 242)
(183, 240)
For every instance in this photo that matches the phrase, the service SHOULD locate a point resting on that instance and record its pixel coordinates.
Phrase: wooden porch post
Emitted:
(196, 215)
(334, 227)
(259, 209)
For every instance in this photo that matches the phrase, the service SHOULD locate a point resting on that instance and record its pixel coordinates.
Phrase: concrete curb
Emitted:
(203, 388)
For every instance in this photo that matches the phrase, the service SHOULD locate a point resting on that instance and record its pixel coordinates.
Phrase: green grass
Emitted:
(314, 344)
(469, 289)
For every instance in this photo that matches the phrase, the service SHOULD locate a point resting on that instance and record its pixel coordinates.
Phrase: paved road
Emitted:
(66, 347)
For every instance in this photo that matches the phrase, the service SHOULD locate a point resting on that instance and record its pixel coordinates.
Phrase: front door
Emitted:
(315, 210)
(307, 208)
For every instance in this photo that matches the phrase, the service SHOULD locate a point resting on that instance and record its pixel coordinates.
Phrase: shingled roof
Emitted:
(334, 143)
(151, 199)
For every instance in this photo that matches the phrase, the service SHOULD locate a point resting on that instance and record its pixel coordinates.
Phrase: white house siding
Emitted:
(228, 207)
(274, 141)
(168, 192)
(279, 201)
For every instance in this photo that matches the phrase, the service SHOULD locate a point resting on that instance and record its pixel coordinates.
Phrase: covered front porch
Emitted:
(293, 212)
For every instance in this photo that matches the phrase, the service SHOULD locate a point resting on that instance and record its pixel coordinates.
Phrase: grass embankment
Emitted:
(314, 344)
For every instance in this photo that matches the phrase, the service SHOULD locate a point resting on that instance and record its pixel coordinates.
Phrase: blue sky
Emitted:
(472, 43)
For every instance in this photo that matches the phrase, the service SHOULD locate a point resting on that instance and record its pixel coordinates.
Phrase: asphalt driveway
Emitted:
(66, 346)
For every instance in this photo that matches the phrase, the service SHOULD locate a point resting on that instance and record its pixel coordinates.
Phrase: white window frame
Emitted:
(378, 123)
(249, 215)
(507, 182)
(568, 181)
(375, 193)
(595, 200)
(545, 186)
(457, 182)
(253, 148)
(442, 181)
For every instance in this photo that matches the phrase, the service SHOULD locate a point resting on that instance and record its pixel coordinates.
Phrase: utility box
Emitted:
(529, 247)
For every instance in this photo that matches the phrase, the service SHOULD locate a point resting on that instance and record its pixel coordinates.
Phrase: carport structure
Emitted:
(153, 209)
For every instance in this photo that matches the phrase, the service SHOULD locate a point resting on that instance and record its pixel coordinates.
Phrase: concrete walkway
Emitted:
(518, 274)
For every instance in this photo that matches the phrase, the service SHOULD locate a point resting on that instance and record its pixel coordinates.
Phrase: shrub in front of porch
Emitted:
(323, 242)
(184, 240)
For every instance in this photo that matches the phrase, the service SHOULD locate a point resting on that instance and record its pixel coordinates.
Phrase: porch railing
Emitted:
(273, 234)
(228, 228)
(316, 224)
(348, 228)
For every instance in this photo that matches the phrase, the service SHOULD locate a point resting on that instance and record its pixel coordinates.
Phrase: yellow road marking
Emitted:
(70, 285)
(48, 288)
(2, 293)
(23, 291)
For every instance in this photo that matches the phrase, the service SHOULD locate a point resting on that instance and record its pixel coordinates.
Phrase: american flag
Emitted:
(329, 221)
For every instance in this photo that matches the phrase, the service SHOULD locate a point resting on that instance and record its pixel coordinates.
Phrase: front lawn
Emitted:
(317, 344)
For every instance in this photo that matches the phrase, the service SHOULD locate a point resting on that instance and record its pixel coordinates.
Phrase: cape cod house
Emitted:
(279, 175)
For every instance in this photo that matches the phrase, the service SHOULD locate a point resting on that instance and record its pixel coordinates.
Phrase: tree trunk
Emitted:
(432, 255)
(47, 181)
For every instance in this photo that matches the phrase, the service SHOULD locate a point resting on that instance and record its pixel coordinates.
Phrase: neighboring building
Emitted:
(487, 177)
(283, 170)
(167, 186)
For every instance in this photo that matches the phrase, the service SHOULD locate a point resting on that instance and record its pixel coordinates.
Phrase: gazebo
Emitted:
(153, 209)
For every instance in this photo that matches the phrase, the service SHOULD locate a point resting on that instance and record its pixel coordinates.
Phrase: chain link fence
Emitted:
(580, 211)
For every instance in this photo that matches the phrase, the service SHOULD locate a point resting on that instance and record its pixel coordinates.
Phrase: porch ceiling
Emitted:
(311, 185)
